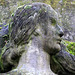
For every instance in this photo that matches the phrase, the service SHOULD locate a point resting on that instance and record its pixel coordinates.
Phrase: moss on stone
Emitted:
(1, 61)
(42, 10)
(20, 6)
(25, 14)
(27, 6)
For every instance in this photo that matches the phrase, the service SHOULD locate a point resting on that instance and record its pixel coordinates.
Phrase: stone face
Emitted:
(34, 46)
(65, 8)
(33, 27)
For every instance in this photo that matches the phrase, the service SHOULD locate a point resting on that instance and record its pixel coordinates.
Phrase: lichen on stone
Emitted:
(25, 14)
(42, 10)
(20, 6)
(27, 6)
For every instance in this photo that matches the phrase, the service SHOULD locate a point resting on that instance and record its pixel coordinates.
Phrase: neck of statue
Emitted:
(35, 60)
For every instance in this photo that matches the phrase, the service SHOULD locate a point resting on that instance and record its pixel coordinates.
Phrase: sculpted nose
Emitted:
(60, 31)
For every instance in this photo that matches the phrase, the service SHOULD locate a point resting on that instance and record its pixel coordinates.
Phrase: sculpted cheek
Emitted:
(51, 46)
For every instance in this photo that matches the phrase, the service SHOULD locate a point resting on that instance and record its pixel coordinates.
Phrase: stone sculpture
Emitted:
(34, 40)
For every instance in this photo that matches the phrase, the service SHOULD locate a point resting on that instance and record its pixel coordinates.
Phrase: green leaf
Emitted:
(70, 46)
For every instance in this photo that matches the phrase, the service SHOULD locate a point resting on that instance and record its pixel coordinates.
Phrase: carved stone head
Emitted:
(37, 19)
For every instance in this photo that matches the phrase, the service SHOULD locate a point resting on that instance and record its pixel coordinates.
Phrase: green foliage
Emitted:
(7, 41)
(20, 3)
(70, 46)
(1, 61)
(2, 52)
(47, 1)
(59, 4)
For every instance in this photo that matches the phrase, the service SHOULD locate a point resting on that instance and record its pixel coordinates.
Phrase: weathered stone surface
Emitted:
(64, 7)
(67, 61)
(32, 26)
(67, 8)
(68, 35)
(35, 46)
(64, 63)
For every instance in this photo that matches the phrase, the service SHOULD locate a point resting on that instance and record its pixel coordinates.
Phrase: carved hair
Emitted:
(27, 18)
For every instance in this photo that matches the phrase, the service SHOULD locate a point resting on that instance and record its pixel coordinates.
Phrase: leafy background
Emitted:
(70, 46)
